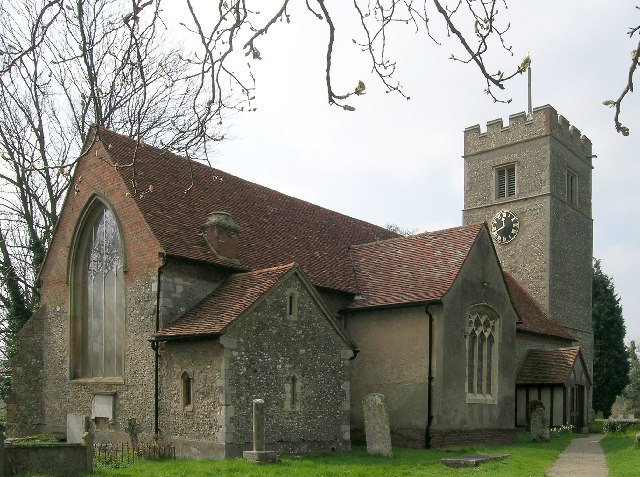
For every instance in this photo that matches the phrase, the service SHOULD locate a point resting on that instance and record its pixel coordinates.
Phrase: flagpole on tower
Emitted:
(530, 109)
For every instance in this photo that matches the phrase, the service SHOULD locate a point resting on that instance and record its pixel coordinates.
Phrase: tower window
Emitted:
(572, 187)
(506, 182)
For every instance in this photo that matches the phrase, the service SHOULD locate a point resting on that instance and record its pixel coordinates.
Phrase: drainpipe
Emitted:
(427, 436)
(155, 345)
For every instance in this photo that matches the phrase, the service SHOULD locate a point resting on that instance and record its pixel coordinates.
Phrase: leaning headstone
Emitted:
(376, 425)
(88, 439)
(259, 454)
(539, 422)
(75, 428)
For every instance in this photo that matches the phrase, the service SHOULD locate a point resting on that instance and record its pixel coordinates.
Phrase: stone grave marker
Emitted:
(538, 422)
(259, 452)
(76, 427)
(376, 425)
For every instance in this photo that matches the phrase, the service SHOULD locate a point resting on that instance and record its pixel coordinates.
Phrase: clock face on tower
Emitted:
(504, 226)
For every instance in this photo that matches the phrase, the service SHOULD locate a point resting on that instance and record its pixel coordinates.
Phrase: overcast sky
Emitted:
(398, 161)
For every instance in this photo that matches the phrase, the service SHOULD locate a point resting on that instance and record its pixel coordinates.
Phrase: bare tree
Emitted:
(628, 87)
(115, 63)
(63, 67)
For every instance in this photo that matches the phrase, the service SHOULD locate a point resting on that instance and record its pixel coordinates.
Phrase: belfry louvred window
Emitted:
(506, 182)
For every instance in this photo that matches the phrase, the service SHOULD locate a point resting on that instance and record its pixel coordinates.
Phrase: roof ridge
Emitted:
(275, 268)
(419, 235)
(176, 195)
(510, 279)
(197, 163)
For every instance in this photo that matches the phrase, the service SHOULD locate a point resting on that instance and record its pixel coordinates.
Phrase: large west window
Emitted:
(482, 357)
(98, 298)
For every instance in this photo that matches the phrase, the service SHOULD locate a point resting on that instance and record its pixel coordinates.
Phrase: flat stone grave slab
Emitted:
(471, 460)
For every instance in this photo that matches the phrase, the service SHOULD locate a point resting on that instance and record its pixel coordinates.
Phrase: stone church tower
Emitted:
(531, 182)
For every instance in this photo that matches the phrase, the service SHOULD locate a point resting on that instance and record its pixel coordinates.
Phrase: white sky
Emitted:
(398, 161)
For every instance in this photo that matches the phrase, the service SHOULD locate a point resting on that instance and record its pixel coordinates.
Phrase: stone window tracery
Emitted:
(481, 357)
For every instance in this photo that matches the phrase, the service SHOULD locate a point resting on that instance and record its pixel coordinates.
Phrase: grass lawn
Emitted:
(623, 457)
(526, 460)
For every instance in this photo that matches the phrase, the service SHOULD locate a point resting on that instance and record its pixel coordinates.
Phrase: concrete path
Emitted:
(582, 458)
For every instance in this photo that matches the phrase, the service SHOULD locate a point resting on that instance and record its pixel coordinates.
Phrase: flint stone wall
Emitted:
(197, 431)
(133, 395)
(262, 351)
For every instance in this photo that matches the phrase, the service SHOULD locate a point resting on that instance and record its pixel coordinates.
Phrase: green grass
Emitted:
(526, 459)
(623, 457)
(595, 426)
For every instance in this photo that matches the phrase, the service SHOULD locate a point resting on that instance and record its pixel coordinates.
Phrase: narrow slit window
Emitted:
(292, 393)
(187, 391)
(572, 187)
(292, 305)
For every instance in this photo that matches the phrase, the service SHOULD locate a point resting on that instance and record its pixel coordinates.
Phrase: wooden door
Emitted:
(576, 411)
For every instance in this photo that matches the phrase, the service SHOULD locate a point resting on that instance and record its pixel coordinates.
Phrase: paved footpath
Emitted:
(582, 458)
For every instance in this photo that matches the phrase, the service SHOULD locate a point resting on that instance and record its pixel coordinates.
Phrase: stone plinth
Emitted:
(260, 456)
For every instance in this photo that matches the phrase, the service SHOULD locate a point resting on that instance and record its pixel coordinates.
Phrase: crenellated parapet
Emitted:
(544, 121)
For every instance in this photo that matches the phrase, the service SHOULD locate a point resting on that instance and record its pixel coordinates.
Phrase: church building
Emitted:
(175, 294)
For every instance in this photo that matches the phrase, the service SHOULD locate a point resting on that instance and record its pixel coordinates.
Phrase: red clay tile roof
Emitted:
(533, 318)
(548, 366)
(411, 269)
(276, 228)
(225, 304)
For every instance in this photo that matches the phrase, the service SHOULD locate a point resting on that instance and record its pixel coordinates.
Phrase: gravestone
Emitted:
(88, 439)
(376, 425)
(538, 422)
(259, 454)
(76, 427)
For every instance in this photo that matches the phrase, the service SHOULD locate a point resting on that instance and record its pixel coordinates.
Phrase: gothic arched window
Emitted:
(482, 356)
(98, 298)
